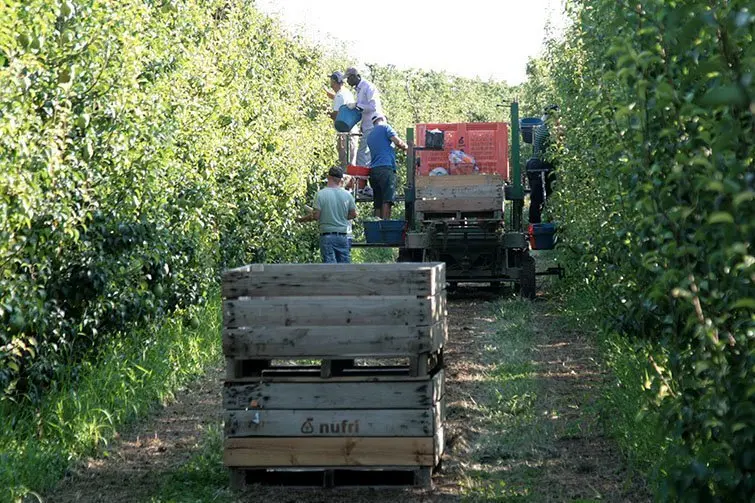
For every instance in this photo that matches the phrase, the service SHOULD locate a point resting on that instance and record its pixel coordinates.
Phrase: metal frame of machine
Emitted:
(475, 245)
(462, 223)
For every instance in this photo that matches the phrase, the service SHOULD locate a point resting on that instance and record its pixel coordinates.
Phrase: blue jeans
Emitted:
(335, 249)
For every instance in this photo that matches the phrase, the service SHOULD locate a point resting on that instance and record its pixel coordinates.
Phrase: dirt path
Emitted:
(138, 461)
(579, 462)
(521, 424)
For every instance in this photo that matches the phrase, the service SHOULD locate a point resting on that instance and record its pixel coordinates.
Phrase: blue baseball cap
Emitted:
(337, 77)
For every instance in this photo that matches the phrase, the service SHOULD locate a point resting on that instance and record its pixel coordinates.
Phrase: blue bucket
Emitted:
(542, 236)
(385, 231)
(346, 119)
(527, 125)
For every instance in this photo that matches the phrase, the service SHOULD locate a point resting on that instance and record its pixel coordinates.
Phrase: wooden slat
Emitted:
(470, 204)
(349, 451)
(285, 280)
(439, 444)
(333, 341)
(458, 180)
(330, 311)
(333, 394)
(383, 373)
(331, 423)
(468, 192)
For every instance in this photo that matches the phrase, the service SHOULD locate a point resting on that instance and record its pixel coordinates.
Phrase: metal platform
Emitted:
(377, 245)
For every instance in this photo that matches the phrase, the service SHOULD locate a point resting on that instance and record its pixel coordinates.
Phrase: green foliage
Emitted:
(146, 146)
(417, 96)
(80, 414)
(143, 148)
(654, 204)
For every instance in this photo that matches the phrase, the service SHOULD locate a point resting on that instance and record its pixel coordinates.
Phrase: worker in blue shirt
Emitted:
(381, 141)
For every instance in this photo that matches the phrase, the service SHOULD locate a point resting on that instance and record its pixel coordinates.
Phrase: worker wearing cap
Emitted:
(334, 207)
(346, 143)
(368, 102)
(381, 142)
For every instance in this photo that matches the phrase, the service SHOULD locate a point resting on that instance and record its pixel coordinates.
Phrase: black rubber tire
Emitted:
(527, 285)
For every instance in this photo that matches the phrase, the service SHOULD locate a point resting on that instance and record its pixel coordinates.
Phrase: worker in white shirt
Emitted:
(342, 96)
(368, 102)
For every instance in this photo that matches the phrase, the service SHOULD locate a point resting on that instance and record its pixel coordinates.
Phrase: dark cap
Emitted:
(377, 117)
(351, 71)
(337, 77)
(335, 172)
(551, 108)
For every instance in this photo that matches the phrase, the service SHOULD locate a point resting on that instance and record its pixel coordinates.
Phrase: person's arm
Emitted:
(338, 102)
(394, 137)
(399, 143)
(366, 99)
(352, 208)
(314, 216)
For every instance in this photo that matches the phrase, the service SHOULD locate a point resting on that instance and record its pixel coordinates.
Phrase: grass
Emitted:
(624, 402)
(512, 430)
(202, 479)
(78, 417)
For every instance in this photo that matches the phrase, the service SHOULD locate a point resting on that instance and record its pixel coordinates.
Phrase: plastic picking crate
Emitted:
(384, 231)
(487, 142)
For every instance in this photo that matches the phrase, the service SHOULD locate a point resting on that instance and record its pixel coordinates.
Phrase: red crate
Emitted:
(353, 169)
(487, 142)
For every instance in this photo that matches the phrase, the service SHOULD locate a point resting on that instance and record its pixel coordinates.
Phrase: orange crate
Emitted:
(487, 142)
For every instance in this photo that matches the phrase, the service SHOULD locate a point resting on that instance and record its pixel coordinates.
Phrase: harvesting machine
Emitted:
(468, 214)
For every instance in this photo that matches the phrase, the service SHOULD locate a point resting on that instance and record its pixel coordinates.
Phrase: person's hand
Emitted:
(330, 93)
(351, 106)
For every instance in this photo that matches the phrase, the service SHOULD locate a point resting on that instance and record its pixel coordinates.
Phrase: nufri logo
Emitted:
(345, 427)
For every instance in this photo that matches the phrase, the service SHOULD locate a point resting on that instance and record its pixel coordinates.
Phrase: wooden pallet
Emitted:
(334, 373)
(347, 477)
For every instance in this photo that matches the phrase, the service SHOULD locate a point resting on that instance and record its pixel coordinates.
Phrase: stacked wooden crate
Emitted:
(334, 373)
(459, 196)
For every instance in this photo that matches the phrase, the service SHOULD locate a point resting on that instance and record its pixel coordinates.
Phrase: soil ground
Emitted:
(530, 437)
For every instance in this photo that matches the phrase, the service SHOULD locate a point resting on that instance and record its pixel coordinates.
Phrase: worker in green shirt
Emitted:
(333, 209)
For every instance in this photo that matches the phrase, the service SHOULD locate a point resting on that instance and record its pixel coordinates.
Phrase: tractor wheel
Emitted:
(527, 287)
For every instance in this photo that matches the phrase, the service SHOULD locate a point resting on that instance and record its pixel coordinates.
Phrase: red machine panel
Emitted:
(486, 142)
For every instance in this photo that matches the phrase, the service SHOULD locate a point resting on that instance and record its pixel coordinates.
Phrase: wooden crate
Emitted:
(460, 193)
(332, 368)
(305, 312)
(290, 280)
